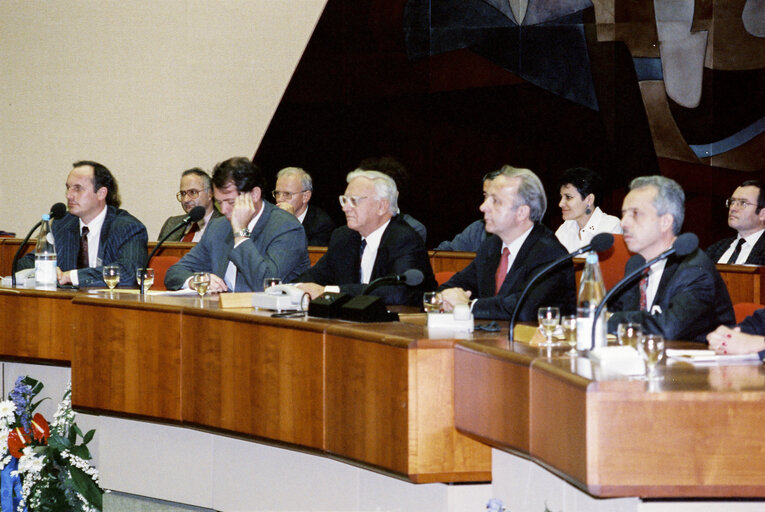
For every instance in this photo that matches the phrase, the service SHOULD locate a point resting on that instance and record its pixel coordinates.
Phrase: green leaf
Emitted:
(87, 487)
(88, 436)
(59, 443)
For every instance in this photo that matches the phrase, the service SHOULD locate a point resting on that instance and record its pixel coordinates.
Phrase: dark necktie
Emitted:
(361, 255)
(736, 252)
(83, 260)
(189, 237)
(644, 290)
(499, 277)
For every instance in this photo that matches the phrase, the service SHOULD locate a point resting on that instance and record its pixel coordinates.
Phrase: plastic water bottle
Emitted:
(591, 292)
(45, 257)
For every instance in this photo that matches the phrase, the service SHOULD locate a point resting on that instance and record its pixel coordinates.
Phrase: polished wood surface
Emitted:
(694, 432)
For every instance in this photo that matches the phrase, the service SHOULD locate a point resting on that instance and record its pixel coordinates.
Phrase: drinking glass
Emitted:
(651, 348)
(200, 281)
(271, 281)
(431, 302)
(148, 278)
(629, 333)
(549, 318)
(568, 323)
(111, 275)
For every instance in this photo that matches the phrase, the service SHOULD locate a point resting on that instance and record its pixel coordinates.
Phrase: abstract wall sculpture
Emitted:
(455, 88)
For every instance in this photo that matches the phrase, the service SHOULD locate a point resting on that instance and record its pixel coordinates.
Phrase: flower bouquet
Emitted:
(42, 468)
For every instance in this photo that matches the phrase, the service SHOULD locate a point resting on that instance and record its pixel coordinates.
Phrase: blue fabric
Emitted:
(10, 487)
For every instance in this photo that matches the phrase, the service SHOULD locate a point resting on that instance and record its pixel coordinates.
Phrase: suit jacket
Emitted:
(172, 222)
(469, 240)
(318, 226)
(276, 248)
(540, 248)
(692, 296)
(401, 249)
(122, 242)
(756, 256)
(754, 323)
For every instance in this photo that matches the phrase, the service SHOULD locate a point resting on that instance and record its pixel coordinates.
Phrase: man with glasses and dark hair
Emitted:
(195, 190)
(292, 193)
(374, 243)
(253, 240)
(95, 232)
(747, 216)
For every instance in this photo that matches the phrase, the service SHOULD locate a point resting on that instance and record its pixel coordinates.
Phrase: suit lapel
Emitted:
(518, 272)
(666, 277)
(382, 253)
(494, 247)
(105, 229)
(756, 253)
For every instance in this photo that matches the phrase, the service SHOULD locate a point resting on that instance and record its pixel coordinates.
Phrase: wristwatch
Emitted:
(242, 232)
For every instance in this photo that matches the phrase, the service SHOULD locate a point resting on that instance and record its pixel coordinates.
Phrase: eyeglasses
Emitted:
(351, 200)
(192, 193)
(286, 195)
(741, 203)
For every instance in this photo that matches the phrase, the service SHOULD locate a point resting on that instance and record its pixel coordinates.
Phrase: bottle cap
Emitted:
(592, 257)
(45, 216)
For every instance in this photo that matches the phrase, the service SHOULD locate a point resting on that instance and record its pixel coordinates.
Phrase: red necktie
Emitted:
(83, 258)
(499, 277)
(189, 237)
(643, 290)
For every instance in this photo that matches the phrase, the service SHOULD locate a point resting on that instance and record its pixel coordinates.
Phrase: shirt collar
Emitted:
(95, 224)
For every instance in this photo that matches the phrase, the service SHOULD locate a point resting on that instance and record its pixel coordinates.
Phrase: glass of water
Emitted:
(268, 282)
(432, 303)
(148, 278)
(549, 318)
(111, 275)
(651, 348)
(568, 324)
(629, 334)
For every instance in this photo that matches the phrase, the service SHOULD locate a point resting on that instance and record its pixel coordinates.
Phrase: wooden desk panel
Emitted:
(744, 282)
(36, 325)
(127, 357)
(260, 380)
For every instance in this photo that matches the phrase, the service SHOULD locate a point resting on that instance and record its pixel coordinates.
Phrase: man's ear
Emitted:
(523, 212)
(101, 193)
(666, 222)
(256, 194)
(761, 215)
(307, 195)
(383, 207)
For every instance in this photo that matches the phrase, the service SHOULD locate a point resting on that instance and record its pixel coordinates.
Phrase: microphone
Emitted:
(411, 277)
(195, 215)
(57, 211)
(683, 246)
(600, 242)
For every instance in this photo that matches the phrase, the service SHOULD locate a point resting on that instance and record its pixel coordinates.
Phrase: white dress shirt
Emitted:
(749, 242)
(370, 252)
(94, 238)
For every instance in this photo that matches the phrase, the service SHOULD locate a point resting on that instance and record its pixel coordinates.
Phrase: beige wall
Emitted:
(148, 88)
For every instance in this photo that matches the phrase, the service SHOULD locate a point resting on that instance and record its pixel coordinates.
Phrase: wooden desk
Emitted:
(693, 434)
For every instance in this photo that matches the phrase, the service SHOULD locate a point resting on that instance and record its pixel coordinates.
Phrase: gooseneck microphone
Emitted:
(411, 277)
(683, 246)
(57, 211)
(600, 242)
(195, 215)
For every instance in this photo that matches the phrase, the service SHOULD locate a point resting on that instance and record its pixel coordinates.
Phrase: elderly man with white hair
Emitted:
(292, 193)
(374, 243)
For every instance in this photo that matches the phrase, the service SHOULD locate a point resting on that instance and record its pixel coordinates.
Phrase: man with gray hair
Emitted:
(519, 246)
(292, 193)
(681, 298)
(195, 190)
(373, 244)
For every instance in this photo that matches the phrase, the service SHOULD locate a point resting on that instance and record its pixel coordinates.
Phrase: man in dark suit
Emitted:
(373, 244)
(253, 240)
(680, 298)
(292, 193)
(95, 232)
(746, 214)
(196, 190)
(518, 247)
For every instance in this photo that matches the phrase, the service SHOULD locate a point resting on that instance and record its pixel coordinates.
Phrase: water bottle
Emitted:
(45, 257)
(591, 292)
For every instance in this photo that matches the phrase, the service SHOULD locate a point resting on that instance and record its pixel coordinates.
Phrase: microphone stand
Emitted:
(18, 252)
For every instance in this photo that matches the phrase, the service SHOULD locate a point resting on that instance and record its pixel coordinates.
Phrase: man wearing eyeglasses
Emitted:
(253, 240)
(196, 190)
(374, 243)
(747, 216)
(292, 193)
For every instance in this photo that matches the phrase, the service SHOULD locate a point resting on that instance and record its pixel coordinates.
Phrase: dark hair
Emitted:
(585, 181)
(761, 196)
(102, 177)
(196, 171)
(389, 166)
(245, 174)
(489, 176)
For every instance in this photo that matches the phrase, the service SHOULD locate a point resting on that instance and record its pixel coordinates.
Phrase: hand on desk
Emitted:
(64, 277)
(216, 284)
(454, 296)
(725, 340)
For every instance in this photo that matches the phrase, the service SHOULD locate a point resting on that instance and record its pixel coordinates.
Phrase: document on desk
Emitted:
(709, 357)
